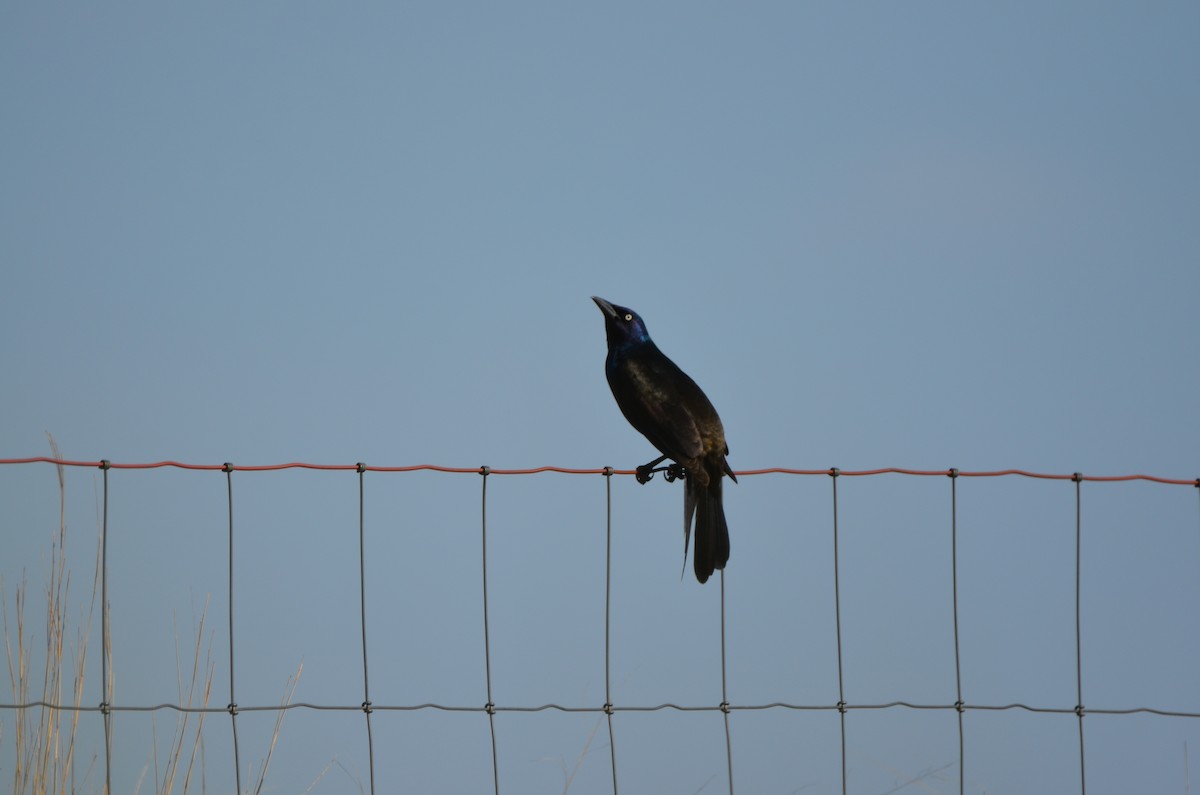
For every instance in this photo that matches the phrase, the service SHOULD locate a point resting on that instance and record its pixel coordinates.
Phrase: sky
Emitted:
(923, 235)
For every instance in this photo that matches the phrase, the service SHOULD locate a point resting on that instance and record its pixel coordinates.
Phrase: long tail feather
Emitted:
(689, 509)
(712, 533)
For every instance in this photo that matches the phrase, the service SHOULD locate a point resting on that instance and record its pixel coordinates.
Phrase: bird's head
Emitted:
(624, 326)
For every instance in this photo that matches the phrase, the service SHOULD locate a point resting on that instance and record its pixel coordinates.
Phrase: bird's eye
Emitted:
(628, 316)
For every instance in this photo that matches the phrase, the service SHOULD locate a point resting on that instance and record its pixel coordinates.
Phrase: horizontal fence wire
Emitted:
(106, 708)
(599, 471)
(602, 709)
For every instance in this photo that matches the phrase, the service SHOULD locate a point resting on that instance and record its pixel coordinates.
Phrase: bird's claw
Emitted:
(673, 472)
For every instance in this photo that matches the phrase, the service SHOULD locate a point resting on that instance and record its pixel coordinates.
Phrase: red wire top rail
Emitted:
(485, 470)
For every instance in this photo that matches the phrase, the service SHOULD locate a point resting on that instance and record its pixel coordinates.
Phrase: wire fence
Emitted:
(107, 708)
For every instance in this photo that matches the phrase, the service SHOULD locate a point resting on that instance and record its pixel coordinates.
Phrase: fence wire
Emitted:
(107, 708)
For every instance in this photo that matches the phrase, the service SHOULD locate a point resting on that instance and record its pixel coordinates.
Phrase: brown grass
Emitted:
(44, 735)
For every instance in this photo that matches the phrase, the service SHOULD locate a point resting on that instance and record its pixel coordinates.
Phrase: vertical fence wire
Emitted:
(958, 700)
(1078, 478)
(232, 708)
(487, 645)
(105, 715)
(724, 693)
(608, 705)
(362, 596)
(837, 607)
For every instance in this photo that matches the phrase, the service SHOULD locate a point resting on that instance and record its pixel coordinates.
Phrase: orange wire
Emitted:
(602, 470)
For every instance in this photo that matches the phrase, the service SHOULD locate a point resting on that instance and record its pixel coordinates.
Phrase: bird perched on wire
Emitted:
(667, 407)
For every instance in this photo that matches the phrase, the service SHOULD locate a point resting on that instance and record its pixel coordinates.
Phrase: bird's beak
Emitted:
(605, 306)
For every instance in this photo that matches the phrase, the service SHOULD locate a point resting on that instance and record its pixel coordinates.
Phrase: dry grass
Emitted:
(184, 753)
(45, 738)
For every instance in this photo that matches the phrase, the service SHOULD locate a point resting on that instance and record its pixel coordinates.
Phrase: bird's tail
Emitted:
(712, 534)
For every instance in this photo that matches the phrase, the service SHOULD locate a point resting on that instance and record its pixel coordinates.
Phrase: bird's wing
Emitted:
(658, 402)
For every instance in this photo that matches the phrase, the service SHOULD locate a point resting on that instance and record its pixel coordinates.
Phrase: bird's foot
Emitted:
(674, 472)
(646, 471)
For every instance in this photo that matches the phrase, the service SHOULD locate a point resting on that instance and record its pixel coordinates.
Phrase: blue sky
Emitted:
(926, 236)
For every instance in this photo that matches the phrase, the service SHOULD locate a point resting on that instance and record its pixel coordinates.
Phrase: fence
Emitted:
(842, 707)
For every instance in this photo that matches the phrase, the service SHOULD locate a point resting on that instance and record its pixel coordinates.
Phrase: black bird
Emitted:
(667, 407)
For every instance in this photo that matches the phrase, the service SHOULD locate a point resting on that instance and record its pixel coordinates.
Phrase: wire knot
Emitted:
(960, 707)
(366, 707)
(1079, 710)
(834, 472)
(1077, 477)
(608, 708)
(725, 707)
(608, 471)
(105, 708)
(106, 464)
(489, 708)
(360, 467)
(952, 472)
(231, 708)
(485, 471)
(841, 707)
(227, 467)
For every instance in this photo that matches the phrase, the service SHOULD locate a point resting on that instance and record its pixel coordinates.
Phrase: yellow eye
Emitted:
(628, 317)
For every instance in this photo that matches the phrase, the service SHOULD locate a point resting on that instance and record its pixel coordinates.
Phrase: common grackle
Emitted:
(667, 407)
